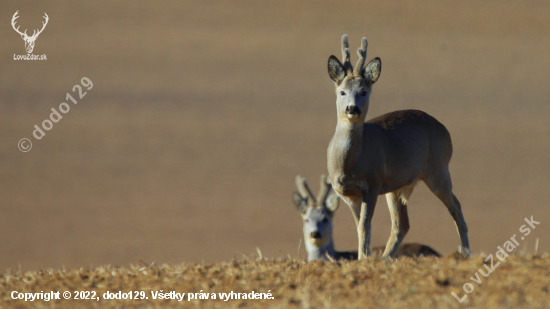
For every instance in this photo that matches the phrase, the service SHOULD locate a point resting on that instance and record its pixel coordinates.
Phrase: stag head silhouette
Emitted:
(29, 40)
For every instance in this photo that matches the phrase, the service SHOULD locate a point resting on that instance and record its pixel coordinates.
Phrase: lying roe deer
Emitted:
(386, 155)
(317, 214)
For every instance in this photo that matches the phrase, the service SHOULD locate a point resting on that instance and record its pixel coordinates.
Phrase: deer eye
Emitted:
(364, 93)
(342, 93)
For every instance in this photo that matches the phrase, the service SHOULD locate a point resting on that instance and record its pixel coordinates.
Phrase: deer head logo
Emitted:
(29, 40)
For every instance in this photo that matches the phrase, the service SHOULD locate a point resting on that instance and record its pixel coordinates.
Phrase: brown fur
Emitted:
(386, 155)
(405, 250)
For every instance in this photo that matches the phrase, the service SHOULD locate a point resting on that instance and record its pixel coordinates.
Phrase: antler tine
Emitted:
(346, 54)
(362, 53)
(14, 18)
(43, 25)
(13, 23)
(325, 189)
(303, 188)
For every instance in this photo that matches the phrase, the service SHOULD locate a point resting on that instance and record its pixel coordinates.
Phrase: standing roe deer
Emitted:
(386, 155)
(317, 214)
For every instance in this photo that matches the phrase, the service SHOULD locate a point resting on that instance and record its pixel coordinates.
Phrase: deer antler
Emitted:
(325, 189)
(362, 53)
(13, 24)
(346, 55)
(303, 188)
(43, 26)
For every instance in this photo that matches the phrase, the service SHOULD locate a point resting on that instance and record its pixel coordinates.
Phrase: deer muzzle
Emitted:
(315, 235)
(353, 112)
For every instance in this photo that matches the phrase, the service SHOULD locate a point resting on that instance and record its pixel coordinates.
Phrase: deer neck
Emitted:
(345, 147)
(315, 253)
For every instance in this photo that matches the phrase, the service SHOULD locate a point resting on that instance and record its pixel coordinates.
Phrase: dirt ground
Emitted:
(519, 281)
(202, 113)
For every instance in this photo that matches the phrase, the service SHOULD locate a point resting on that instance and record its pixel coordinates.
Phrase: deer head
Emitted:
(317, 212)
(29, 40)
(353, 86)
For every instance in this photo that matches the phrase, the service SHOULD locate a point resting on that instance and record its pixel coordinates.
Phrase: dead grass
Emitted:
(518, 282)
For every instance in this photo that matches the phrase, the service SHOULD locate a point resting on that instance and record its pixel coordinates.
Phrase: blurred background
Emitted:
(203, 112)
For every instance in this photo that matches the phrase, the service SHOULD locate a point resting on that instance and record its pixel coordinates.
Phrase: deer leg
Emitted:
(462, 228)
(365, 218)
(355, 207)
(443, 190)
(399, 223)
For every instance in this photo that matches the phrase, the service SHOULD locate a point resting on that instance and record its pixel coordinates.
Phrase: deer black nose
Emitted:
(353, 110)
(315, 234)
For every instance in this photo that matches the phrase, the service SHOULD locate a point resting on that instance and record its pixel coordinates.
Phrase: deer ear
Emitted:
(333, 202)
(300, 203)
(372, 70)
(336, 70)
